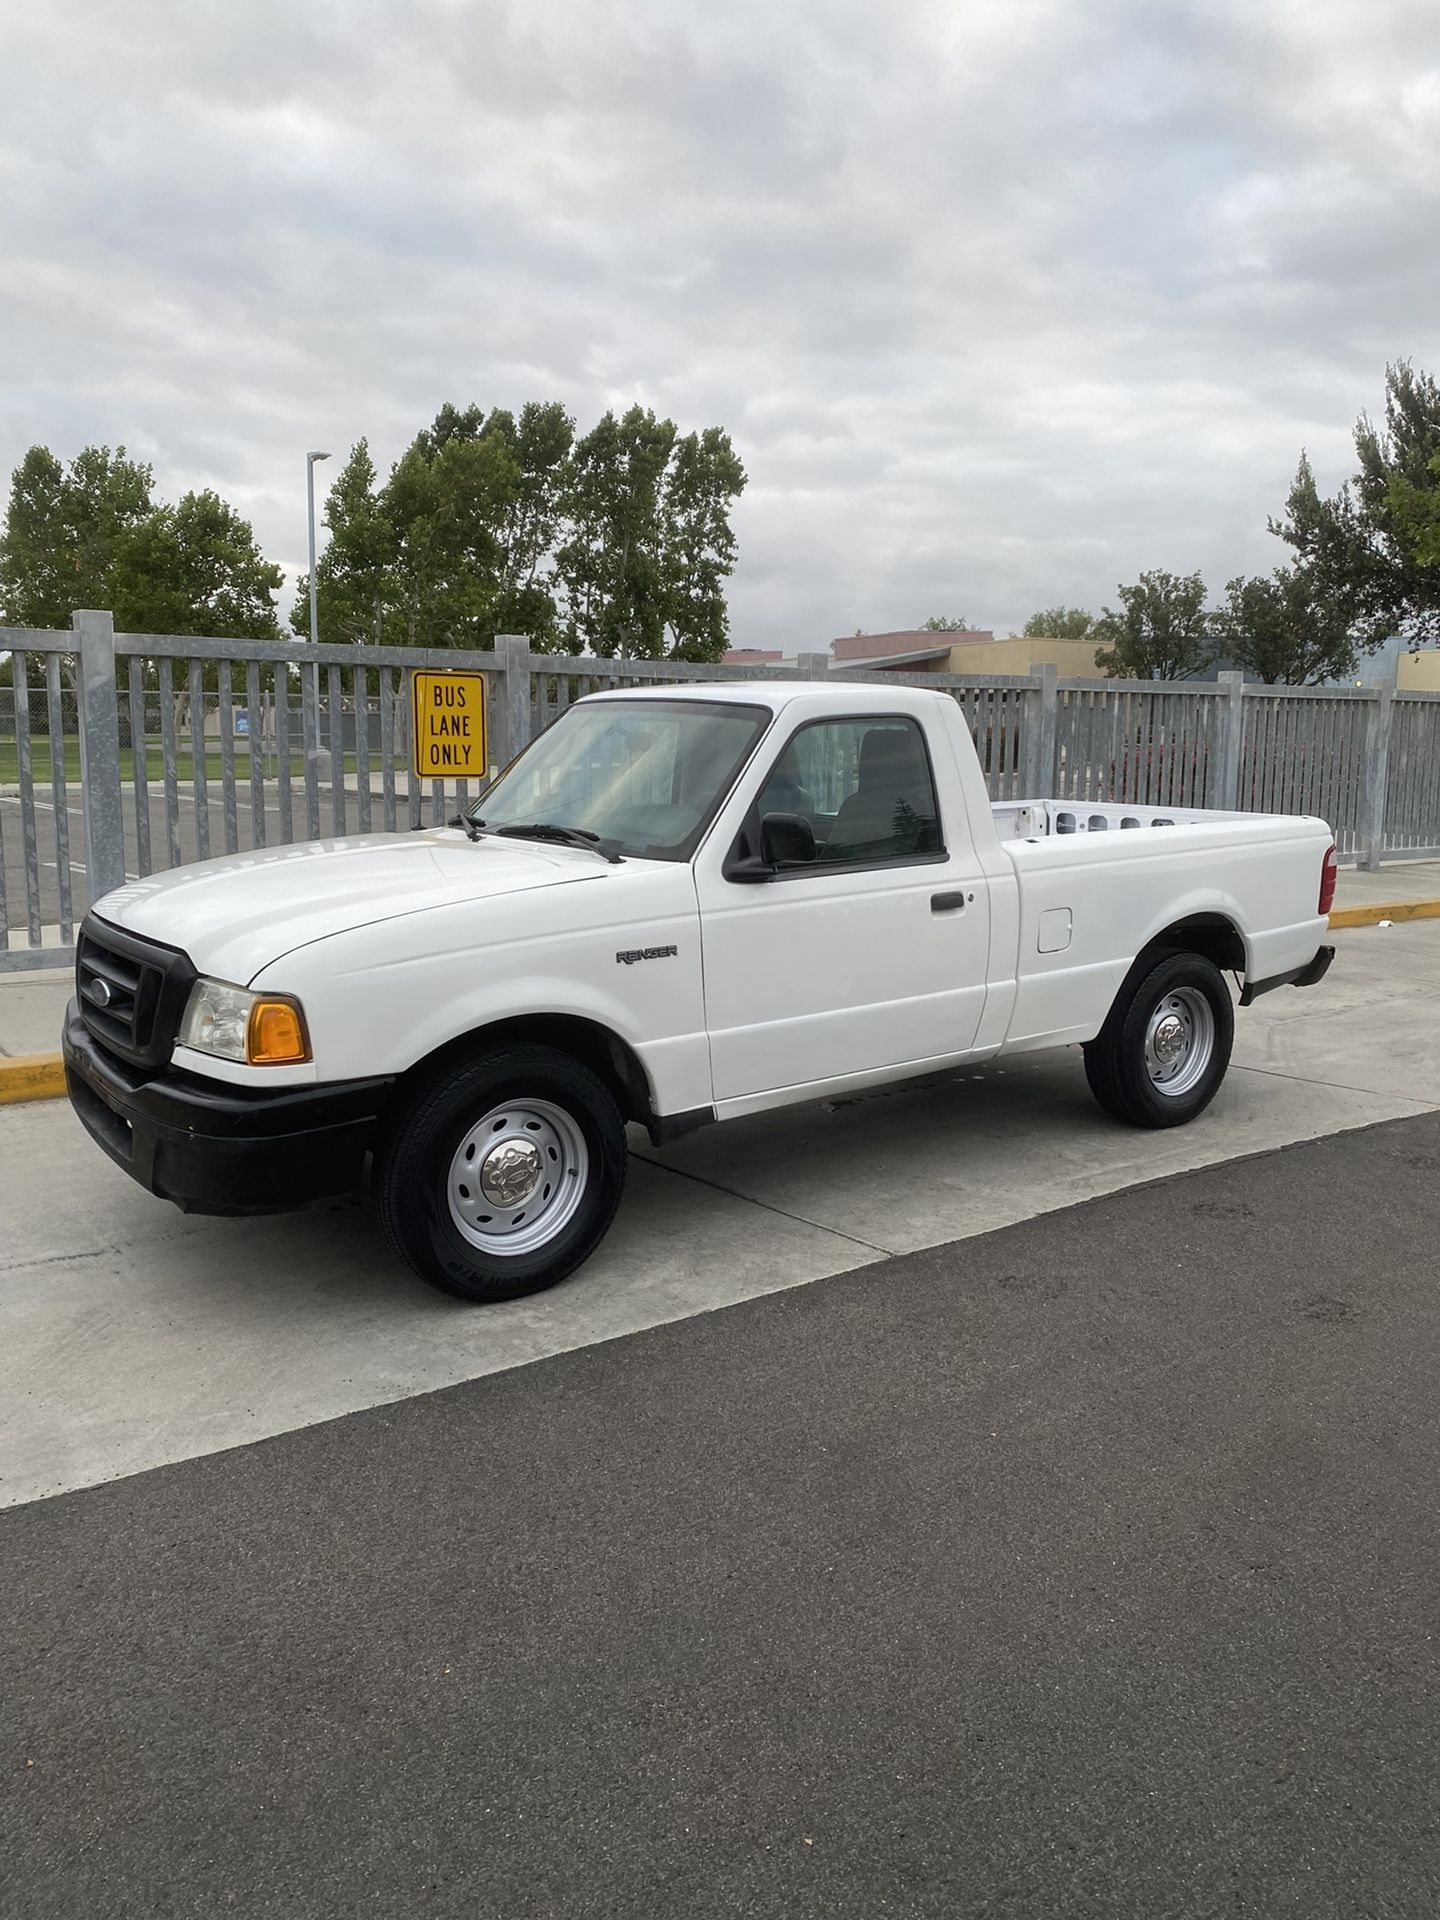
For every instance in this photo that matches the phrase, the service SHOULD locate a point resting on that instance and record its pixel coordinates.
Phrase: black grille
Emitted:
(132, 992)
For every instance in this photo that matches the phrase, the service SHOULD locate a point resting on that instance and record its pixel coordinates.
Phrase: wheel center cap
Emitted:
(511, 1173)
(1169, 1041)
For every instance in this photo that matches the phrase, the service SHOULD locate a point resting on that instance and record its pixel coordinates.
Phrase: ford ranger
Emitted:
(674, 907)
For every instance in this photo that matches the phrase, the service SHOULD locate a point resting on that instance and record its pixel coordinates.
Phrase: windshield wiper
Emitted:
(471, 828)
(564, 837)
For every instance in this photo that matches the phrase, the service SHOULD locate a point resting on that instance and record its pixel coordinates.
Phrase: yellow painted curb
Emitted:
(34, 1076)
(1372, 916)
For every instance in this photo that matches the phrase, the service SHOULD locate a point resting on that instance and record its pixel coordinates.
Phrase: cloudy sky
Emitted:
(1001, 300)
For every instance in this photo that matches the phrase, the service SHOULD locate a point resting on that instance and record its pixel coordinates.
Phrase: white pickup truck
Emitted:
(676, 906)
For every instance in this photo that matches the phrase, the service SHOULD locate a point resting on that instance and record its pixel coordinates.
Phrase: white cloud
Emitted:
(1001, 304)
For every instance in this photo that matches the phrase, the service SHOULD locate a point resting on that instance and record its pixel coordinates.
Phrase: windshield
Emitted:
(647, 775)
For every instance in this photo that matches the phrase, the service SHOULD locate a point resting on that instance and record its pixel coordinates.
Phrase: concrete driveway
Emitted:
(131, 1336)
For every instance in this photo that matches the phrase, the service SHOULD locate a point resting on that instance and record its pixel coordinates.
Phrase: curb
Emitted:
(33, 1076)
(41, 1076)
(1372, 916)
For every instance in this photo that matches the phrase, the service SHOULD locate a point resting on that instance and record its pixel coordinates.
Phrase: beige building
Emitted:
(978, 653)
(1418, 672)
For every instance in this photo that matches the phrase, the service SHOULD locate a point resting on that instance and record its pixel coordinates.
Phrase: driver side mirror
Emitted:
(787, 840)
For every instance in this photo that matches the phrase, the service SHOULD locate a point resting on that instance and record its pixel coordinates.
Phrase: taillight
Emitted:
(1327, 881)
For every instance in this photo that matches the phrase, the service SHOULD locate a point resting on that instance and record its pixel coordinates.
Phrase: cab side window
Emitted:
(864, 785)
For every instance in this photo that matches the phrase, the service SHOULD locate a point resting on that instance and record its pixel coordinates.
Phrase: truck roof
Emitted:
(846, 697)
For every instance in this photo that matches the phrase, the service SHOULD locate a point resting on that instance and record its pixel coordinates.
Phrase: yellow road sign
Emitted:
(447, 739)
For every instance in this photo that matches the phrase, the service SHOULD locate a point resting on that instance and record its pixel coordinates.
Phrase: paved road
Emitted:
(1086, 1568)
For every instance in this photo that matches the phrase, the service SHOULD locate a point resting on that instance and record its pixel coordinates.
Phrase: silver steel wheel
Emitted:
(517, 1177)
(1179, 1041)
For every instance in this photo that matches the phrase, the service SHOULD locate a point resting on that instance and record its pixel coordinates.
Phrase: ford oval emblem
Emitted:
(99, 992)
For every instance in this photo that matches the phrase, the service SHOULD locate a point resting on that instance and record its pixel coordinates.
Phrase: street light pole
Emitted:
(310, 460)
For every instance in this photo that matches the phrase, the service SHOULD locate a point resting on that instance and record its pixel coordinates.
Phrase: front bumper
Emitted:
(214, 1148)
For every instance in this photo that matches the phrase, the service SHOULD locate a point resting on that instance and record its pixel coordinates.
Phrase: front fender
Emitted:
(380, 998)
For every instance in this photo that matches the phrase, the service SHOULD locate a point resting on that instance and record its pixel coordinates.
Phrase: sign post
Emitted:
(448, 737)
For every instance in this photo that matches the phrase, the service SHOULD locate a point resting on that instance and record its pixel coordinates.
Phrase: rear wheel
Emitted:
(499, 1175)
(1163, 1051)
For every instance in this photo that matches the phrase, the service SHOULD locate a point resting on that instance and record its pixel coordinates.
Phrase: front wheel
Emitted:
(498, 1175)
(1160, 1057)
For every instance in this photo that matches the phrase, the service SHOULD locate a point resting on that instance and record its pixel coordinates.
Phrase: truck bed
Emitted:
(1040, 819)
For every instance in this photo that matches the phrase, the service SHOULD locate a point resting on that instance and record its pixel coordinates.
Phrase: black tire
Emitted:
(1116, 1061)
(433, 1121)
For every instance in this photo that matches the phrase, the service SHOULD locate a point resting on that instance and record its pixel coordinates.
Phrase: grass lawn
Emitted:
(154, 764)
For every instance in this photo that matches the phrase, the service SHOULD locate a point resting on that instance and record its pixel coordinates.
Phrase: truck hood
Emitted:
(235, 915)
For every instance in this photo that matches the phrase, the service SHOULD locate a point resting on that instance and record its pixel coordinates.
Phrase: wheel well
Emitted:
(1210, 934)
(604, 1052)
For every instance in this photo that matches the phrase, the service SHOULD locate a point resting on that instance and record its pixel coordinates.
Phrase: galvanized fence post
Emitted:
(512, 659)
(1042, 708)
(1377, 776)
(1232, 743)
(98, 719)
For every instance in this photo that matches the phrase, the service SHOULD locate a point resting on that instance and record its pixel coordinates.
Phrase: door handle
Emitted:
(946, 902)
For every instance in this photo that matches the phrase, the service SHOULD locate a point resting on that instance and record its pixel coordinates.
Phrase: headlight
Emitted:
(257, 1029)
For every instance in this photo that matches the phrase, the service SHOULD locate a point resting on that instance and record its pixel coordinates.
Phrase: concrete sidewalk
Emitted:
(1405, 880)
(131, 1334)
(32, 1009)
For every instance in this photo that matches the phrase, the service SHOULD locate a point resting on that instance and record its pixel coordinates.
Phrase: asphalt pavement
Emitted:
(1086, 1568)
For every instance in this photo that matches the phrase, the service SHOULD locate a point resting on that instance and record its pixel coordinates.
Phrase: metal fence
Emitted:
(1135, 745)
(121, 754)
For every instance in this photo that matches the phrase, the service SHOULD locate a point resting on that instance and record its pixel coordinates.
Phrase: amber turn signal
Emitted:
(276, 1036)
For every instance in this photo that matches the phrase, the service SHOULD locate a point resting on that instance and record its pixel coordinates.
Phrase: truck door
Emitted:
(873, 954)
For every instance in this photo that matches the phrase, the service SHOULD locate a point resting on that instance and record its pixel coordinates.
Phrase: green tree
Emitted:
(1373, 543)
(457, 544)
(353, 574)
(941, 623)
(450, 423)
(1162, 631)
(1059, 623)
(705, 477)
(1334, 547)
(447, 510)
(194, 568)
(62, 530)
(617, 543)
(419, 560)
(540, 445)
(1286, 629)
(91, 535)
(611, 566)
(1415, 511)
